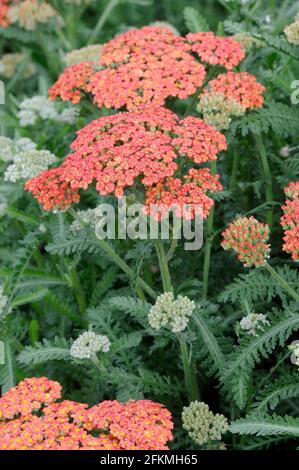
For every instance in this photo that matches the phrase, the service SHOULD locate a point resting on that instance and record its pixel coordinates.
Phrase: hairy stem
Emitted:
(267, 175)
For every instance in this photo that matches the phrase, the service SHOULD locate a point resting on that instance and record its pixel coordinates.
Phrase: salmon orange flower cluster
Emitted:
(216, 50)
(118, 151)
(290, 220)
(145, 66)
(72, 84)
(242, 87)
(248, 238)
(32, 418)
(187, 198)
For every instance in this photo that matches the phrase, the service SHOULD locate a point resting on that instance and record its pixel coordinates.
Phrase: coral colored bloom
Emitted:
(239, 86)
(186, 198)
(4, 7)
(117, 151)
(248, 238)
(216, 50)
(290, 220)
(68, 425)
(72, 83)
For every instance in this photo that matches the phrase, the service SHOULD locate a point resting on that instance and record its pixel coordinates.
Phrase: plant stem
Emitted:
(190, 379)
(109, 250)
(233, 178)
(208, 247)
(102, 20)
(79, 293)
(282, 282)
(164, 268)
(267, 175)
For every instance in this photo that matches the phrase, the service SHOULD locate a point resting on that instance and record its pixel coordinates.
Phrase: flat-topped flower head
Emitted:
(72, 83)
(173, 314)
(290, 220)
(68, 425)
(4, 7)
(248, 238)
(118, 151)
(187, 198)
(253, 323)
(89, 344)
(28, 396)
(292, 32)
(242, 87)
(216, 50)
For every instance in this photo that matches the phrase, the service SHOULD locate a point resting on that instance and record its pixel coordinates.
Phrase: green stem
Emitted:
(102, 20)
(79, 293)
(164, 268)
(282, 282)
(190, 379)
(267, 175)
(208, 246)
(233, 178)
(109, 250)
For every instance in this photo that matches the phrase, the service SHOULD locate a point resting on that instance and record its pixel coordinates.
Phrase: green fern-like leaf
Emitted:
(280, 389)
(194, 21)
(265, 425)
(252, 351)
(49, 350)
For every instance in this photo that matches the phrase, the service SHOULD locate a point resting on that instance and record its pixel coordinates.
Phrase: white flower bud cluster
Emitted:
(253, 322)
(39, 107)
(10, 62)
(292, 32)
(9, 148)
(294, 347)
(89, 216)
(217, 109)
(85, 54)
(88, 344)
(170, 313)
(202, 424)
(3, 300)
(28, 164)
(3, 208)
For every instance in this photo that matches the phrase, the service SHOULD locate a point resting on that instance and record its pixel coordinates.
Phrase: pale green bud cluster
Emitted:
(170, 313)
(217, 109)
(88, 344)
(292, 32)
(202, 424)
(27, 164)
(85, 54)
(247, 41)
(39, 107)
(9, 148)
(294, 347)
(253, 322)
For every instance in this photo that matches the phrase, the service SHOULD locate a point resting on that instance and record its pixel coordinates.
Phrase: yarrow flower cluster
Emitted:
(292, 32)
(173, 314)
(85, 54)
(217, 109)
(294, 348)
(28, 14)
(88, 344)
(39, 107)
(290, 220)
(10, 62)
(202, 425)
(248, 238)
(253, 322)
(117, 150)
(28, 164)
(146, 66)
(216, 50)
(31, 418)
